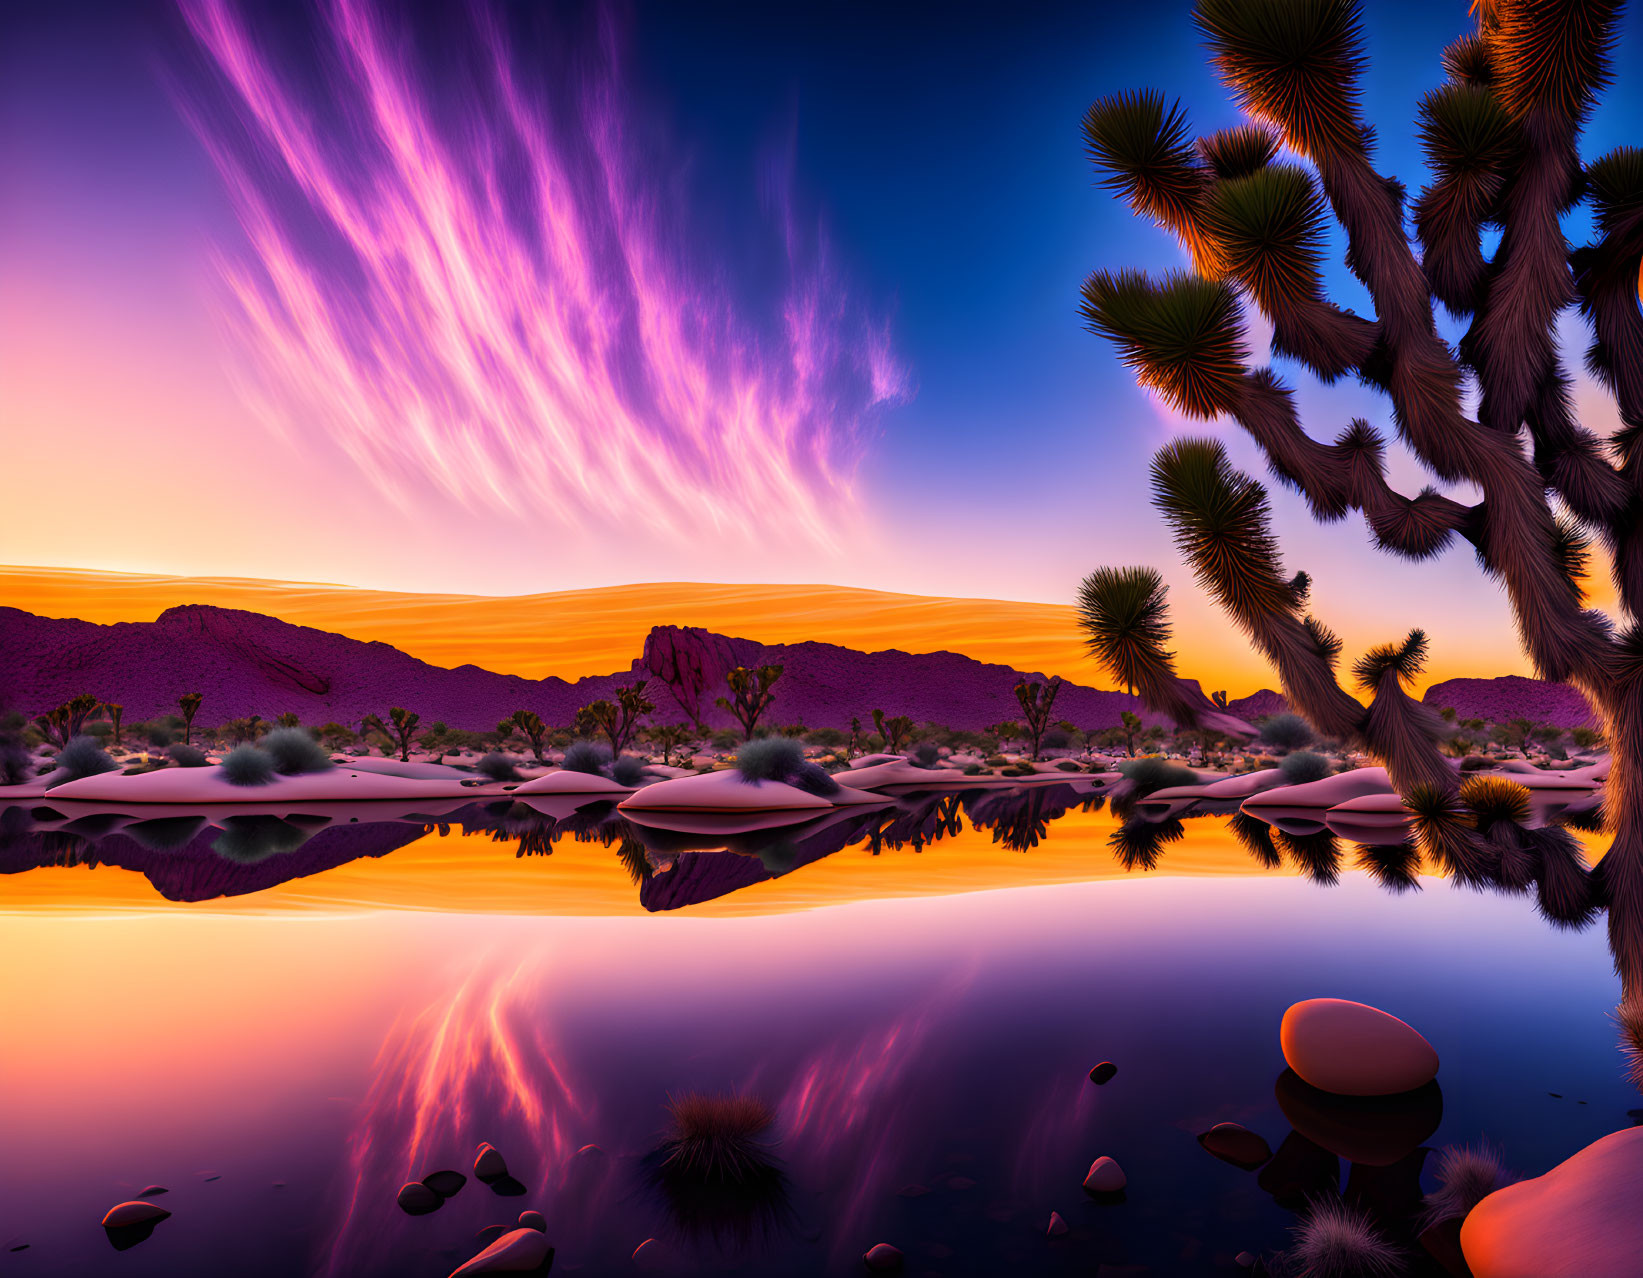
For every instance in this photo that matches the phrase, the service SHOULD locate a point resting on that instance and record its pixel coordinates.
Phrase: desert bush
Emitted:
(14, 760)
(627, 771)
(83, 757)
(500, 767)
(724, 740)
(974, 770)
(1056, 739)
(1155, 773)
(828, 737)
(1337, 1240)
(247, 765)
(1465, 1176)
(926, 754)
(1287, 732)
(1475, 763)
(769, 759)
(186, 756)
(585, 756)
(1303, 766)
(997, 761)
(295, 751)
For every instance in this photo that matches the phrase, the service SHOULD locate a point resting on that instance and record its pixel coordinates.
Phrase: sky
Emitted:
(514, 297)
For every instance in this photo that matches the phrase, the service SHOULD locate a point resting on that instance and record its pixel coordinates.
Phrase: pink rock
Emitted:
(125, 1215)
(1057, 1226)
(533, 1220)
(882, 1258)
(1236, 1144)
(1352, 1049)
(488, 1163)
(1581, 1218)
(1105, 1176)
(519, 1252)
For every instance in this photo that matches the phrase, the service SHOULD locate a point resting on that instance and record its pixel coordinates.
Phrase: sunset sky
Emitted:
(543, 296)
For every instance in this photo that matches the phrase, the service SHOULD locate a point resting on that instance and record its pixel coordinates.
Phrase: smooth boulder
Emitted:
(1103, 1073)
(488, 1163)
(125, 1215)
(523, 1251)
(417, 1199)
(1581, 1218)
(1105, 1177)
(882, 1258)
(447, 1184)
(1352, 1049)
(533, 1220)
(1236, 1144)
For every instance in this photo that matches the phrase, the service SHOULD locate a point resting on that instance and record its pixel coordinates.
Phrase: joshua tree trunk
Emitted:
(1502, 137)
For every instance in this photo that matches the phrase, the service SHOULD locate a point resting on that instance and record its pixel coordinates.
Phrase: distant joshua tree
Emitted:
(1502, 138)
(67, 721)
(893, 732)
(400, 729)
(751, 692)
(530, 724)
(669, 737)
(289, 719)
(189, 704)
(618, 720)
(1036, 701)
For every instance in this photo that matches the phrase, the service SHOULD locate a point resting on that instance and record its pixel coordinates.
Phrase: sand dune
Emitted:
(582, 632)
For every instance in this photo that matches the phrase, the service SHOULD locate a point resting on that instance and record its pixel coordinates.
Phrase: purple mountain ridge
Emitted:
(246, 663)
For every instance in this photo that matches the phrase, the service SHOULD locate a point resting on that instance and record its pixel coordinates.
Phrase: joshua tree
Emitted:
(288, 720)
(67, 721)
(853, 748)
(1586, 738)
(1036, 700)
(751, 692)
(619, 719)
(530, 723)
(114, 712)
(189, 703)
(400, 728)
(892, 732)
(1129, 727)
(670, 737)
(1502, 137)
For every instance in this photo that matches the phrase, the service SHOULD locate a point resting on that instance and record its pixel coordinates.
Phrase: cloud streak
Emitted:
(482, 287)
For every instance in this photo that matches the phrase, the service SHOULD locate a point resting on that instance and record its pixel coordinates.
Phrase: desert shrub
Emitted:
(926, 754)
(186, 756)
(997, 761)
(1465, 1176)
(83, 757)
(1304, 766)
(585, 756)
(769, 759)
(828, 737)
(1337, 1240)
(812, 778)
(159, 735)
(1055, 739)
(724, 740)
(499, 767)
(1287, 732)
(246, 840)
(247, 765)
(14, 760)
(1155, 773)
(717, 1136)
(627, 771)
(294, 751)
(1475, 763)
(974, 770)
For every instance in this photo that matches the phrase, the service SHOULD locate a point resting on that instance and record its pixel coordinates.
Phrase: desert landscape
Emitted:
(1063, 702)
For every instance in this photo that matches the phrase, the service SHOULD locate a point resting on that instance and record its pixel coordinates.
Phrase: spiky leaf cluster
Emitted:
(1467, 60)
(1293, 62)
(1239, 151)
(1614, 183)
(1402, 662)
(1493, 800)
(1553, 55)
(1124, 613)
(1222, 526)
(1182, 337)
(1270, 227)
(1138, 142)
(1467, 134)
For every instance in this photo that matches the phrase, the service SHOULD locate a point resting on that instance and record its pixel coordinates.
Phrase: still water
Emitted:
(283, 1025)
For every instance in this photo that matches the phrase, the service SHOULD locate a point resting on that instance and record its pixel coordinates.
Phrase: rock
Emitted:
(1355, 1050)
(1236, 1144)
(153, 1190)
(533, 1220)
(1105, 1177)
(489, 1164)
(1442, 1242)
(650, 1255)
(445, 1183)
(126, 1215)
(1057, 1226)
(1103, 1073)
(882, 1258)
(486, 1236)
(1580, 1218)
(1244, 1260)
(416, 1199)
(522, 1251)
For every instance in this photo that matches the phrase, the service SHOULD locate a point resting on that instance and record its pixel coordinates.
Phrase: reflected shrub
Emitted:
(165, 834)
(294, 752)
(186, 756)
(1303, 766)
(1154, 773)
(501, 767)
(247, 840)
(247, 765)
(83, 757)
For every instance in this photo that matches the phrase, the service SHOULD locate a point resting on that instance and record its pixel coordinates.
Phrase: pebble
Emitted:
(1057, 1226)
(125, 1215)
(533, 1220)
(445, 1183)
(882, 1258)
(1105, 1177)
(488, 1163)
(416, 1199)
(1103, 1073)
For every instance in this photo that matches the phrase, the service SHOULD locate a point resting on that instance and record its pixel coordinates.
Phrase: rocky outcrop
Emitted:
(1511, 697)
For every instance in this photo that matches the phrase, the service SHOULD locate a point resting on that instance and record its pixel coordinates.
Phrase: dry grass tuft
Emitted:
(1337, 1240)
(1465, 1176)
(717, 1135)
